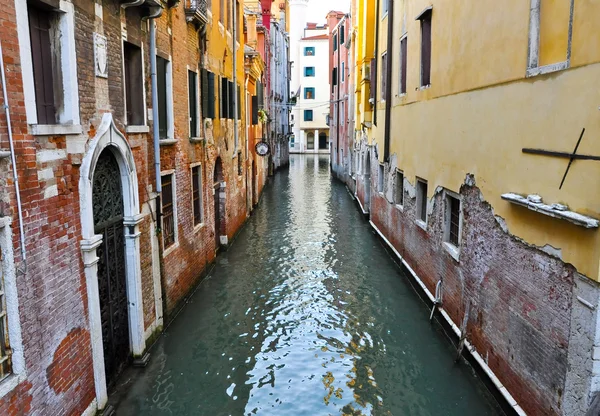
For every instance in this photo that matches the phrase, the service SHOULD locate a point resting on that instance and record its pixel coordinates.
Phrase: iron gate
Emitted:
(108, 221)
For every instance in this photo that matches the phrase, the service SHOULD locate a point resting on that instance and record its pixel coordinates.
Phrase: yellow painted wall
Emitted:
(480, 111)
(365, 44)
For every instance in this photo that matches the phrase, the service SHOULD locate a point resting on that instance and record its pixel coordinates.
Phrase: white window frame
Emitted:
(201, 191)
(421, 199)
(400, 93)
(399, 188)
(175, 244)
(68, 119)
(170, 114)
(9, 276)
(198, 103)
(533, 52)
(384, 8)
(380, 178)
(452, 249)
(135, 128)
(383, 76)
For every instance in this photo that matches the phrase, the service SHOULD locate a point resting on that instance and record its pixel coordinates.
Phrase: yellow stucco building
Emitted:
(476, 109)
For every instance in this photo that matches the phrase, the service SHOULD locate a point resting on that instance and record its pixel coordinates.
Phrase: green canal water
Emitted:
(306, 314)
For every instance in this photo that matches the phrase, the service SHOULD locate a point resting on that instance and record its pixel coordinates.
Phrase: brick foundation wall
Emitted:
(519, 298)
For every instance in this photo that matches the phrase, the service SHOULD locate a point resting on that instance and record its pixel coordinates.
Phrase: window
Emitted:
(309, 51)
(425, 18)
(134, 84)
(197, 194)
(162, 70)
(380, 178)
(308, 115)
(334, 76)
(343, 72)
(422, 200)
(5, 352)
(384, 7)
(310, 140)
(335, 42)
(399, 191)
(207, 90)
(254, 110)
(224, 99)
(309, 93)
(168, 211)
(452, 220)
(550, 35)
(193, 102)
(342, 40)
(260, 94)
(383, 75)
(403, 56)
(309, 71)
(373, 85)
(240, 164)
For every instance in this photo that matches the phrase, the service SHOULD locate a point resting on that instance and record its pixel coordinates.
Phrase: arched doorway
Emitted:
(219, 202)
(107, 198)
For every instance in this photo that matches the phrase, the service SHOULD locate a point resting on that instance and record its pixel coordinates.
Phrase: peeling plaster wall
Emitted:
(523, 315)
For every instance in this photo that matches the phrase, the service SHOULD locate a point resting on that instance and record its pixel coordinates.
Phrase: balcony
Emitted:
(195, 12)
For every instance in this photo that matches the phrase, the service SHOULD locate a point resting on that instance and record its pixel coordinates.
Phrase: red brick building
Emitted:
(132, 167)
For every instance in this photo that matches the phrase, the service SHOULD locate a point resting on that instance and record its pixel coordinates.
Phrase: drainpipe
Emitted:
(373, 82)
(235, 86)
(388, 83)
(156, 139)
(14, 164)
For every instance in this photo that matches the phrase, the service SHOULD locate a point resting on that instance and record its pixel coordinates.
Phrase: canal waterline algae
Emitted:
(305, 315)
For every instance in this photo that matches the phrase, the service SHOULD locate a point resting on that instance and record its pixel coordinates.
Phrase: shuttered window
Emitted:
(197, 194)
(134, 86)
(168, 219)
(403, 56)
(207, 89)
(260, 95)
(239, 103)
(161, 77)
(224, 98)
(373, 80)
(193, 103)
(425, 18)
(231, 100)
(254, 110)
(43, 74)
(383, 75)
(342, 38)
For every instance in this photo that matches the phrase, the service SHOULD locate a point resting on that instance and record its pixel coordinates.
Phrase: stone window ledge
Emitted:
(452, 250)
(137, 129)
(547, 69)
(10, 383)
(196, 139)
(55, 129)
(534, 203)
(167, 142)
(422, 224)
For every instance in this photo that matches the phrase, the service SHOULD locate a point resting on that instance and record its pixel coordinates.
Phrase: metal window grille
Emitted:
(5, 352)
(197, 194)
(168, 221)
(454, 207)
(399, 197)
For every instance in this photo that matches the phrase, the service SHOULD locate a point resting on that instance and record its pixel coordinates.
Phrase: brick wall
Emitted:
(519, 297)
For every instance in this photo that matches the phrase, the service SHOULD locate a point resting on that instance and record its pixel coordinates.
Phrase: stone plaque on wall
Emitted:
(100, 55)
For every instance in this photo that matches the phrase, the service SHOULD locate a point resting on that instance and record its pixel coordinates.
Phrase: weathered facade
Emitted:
(133, 168)
(445, 114)
(341, 124)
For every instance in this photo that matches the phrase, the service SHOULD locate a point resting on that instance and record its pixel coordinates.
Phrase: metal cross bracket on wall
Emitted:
(571, 156)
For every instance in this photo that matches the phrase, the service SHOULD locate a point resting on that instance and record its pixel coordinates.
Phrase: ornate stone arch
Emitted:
(109, 137)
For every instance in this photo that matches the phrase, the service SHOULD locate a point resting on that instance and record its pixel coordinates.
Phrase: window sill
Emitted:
(10, 383)
(137, 129)
(199, 227)
(55, 129)
(424, 87)
(196, 140)
(452, 250)
(167, 142)
(170, 249)
(547, 69)
(422, 224)
(400, 207)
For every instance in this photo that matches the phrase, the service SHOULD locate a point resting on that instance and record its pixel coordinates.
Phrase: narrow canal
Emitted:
(306, 314)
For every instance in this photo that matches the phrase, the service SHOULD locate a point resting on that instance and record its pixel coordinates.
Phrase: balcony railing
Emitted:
(195, 12)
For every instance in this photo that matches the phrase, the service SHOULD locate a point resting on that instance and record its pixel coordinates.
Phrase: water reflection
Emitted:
(305, 315)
